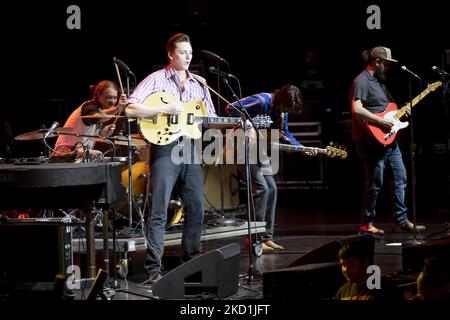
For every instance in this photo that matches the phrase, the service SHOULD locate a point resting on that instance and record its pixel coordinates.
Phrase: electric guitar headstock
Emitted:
(433, 86)
(334, 150)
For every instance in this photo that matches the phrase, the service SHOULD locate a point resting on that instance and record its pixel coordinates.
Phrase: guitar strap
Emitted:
(386, 92)
(202, 82)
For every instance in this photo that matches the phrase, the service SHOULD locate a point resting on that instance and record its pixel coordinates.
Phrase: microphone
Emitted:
(52, 127)
(213, 56)
(220, 73)
(440, 71)
(123, 66)
(409, 71)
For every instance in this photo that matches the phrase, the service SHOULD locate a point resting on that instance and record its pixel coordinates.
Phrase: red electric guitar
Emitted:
(385, 136)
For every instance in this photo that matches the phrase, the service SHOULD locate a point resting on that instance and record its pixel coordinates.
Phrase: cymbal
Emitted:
(136, 141)
(39, 134)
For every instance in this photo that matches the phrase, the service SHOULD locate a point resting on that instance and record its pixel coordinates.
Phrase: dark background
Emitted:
(47, 69)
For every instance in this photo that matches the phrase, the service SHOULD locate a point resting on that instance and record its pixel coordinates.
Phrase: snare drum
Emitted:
(115, 159)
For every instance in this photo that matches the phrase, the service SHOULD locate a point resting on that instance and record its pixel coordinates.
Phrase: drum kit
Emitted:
(139, 180)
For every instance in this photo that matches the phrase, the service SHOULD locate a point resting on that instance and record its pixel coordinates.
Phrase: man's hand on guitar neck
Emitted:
(408, 111)
(312, 153)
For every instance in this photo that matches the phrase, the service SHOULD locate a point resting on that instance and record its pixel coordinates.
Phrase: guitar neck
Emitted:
(400, 113)
(218, 120)
(290, 147)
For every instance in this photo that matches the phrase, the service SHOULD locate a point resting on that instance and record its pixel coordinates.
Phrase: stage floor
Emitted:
(387, 255)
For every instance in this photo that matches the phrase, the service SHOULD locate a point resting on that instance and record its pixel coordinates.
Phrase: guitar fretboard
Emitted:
(289, 147)
(218, 120)
(400, 113)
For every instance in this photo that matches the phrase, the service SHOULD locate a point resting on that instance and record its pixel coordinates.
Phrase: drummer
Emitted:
(105, 102)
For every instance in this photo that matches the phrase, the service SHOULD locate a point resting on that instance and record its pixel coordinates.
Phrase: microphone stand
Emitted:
(130, 164)
(413, 164)
(130, 157)
(222, 212)
(447, 123)
(250, 209)
(446, 110)
(130, 176)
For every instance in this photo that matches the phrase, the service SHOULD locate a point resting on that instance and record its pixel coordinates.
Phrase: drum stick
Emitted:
(120, 82)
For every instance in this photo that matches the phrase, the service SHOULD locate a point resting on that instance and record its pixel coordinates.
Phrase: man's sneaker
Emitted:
(409, 226)
(370, 228)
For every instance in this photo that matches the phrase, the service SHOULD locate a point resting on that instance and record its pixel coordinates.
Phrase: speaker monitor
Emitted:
(309, 281)
(216, 272)
(413, 256)
(214, 184)
(34, 250)
(329, 251)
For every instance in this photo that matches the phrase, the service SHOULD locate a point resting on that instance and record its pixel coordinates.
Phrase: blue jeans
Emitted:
(376, 159)
(265, 199)
(164, 175)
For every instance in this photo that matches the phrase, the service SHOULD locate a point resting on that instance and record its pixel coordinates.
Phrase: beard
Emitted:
(380, 75)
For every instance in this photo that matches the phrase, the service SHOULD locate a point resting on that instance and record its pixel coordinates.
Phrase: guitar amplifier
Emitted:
(298, 171)
(34, 250)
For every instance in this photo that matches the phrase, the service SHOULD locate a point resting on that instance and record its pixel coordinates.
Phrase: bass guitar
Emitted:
(330, 151)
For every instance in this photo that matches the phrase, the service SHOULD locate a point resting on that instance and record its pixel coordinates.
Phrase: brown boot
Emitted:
(266, 248)
(273, 245)
(409, 226)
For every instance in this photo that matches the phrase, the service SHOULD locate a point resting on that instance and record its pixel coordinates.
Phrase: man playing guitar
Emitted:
(179, 82)
(369, 96)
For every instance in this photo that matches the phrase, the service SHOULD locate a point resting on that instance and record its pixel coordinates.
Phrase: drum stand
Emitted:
(89, 213)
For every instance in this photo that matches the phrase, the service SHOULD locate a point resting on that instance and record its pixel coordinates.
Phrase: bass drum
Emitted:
(139, 178)
(175, 213)
(140, 184)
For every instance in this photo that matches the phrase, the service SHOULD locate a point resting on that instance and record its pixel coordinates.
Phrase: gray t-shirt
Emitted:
(373, 96)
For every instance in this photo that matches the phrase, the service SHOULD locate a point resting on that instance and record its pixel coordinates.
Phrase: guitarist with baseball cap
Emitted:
(368, 97)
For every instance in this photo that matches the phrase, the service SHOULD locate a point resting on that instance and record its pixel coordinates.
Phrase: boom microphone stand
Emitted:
(250, 208)
(119, 63)
(219, 61)
(443, 74)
